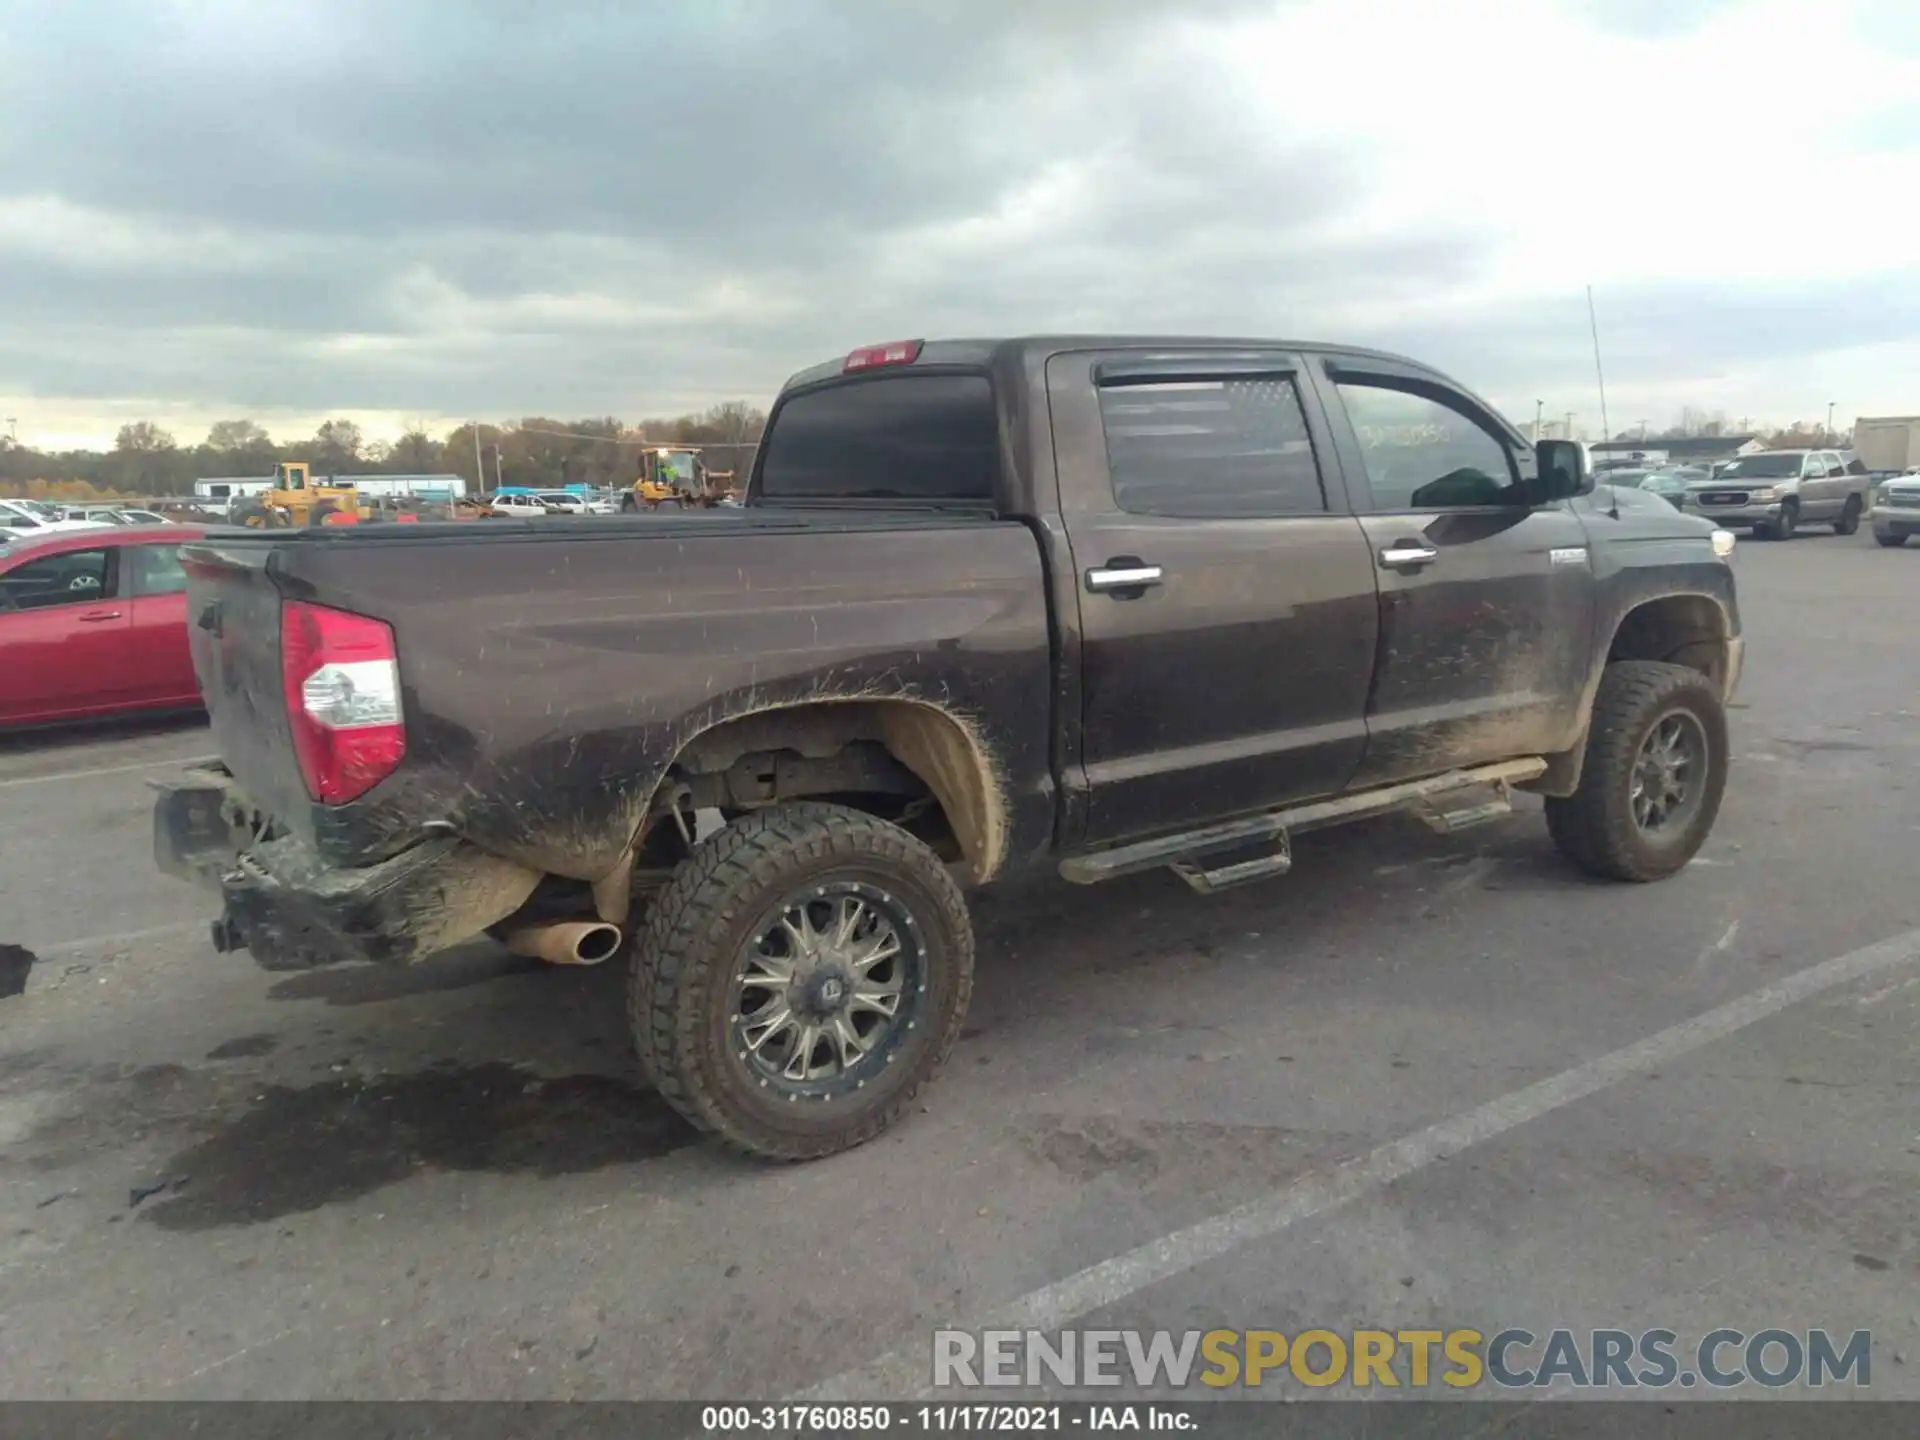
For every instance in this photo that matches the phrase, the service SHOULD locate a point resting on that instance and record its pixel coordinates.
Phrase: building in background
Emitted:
(1704, 451)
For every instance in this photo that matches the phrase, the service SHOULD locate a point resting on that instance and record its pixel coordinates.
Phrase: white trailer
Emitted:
(1887, 442)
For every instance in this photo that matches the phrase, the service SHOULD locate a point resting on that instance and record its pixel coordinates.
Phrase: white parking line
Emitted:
(906, 1371)
(185, 762)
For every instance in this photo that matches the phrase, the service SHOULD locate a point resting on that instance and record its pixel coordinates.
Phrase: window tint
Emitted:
(907, 437)
(1210, 448)
(157, 570)
(1423, 455)
(78, 577)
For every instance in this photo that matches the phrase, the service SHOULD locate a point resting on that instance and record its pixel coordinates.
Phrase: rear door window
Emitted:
(1230, 448)
(895, 437)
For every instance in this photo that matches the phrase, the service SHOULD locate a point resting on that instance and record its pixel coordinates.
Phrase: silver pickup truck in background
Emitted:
(1774, 492)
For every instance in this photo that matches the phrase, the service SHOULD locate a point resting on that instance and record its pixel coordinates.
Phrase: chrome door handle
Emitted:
(1408, 552)
(1124, 577)
(97, 616)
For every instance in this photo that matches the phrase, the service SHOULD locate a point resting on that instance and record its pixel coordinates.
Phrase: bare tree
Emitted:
(337, 446)
(143, 437)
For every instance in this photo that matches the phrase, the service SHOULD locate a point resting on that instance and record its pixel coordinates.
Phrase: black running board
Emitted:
(1182, 852)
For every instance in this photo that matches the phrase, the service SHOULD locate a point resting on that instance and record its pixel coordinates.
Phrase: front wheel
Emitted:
(1891, 542)
(1849, 520)
(1655, 771)
(802, 976)
(1783, 528)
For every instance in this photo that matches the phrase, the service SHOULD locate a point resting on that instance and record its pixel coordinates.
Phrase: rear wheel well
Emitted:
(907, 761)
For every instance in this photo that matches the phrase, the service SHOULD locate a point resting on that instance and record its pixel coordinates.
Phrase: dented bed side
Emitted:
(549, 681)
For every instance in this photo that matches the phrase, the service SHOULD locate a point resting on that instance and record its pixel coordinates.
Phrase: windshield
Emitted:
(1762, 467)
(39, 509)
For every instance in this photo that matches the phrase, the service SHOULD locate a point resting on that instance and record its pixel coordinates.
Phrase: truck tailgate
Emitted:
(233, 631)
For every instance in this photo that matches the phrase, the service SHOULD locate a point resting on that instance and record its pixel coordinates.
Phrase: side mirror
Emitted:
(1561, 471)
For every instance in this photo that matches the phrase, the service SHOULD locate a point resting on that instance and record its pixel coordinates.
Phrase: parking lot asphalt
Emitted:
(1406, 1074)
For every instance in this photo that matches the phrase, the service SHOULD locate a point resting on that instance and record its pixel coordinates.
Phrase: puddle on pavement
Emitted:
(295, 1149)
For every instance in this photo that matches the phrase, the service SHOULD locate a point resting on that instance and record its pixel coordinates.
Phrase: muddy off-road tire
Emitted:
(854, 926)
(1656, 767)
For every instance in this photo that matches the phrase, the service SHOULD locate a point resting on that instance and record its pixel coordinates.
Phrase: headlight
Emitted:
(1722, 543)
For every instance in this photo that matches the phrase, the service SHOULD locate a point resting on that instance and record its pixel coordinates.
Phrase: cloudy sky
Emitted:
(424, 210)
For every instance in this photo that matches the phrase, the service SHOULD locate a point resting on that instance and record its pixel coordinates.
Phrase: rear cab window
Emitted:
(912, 438)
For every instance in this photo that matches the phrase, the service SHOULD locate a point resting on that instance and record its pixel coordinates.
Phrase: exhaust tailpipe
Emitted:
(567, 942)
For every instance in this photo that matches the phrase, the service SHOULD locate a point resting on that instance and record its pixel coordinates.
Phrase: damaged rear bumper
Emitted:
(293, 910)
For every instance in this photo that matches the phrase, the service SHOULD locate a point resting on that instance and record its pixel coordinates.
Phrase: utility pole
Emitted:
(1570, 426)
(479, 470)
(1538, 407)
(1830, 405)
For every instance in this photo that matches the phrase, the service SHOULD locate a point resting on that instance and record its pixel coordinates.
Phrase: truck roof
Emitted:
(1036, 348)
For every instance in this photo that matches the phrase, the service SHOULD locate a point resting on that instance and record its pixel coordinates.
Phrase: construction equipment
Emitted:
(675, 475)
(295, 501)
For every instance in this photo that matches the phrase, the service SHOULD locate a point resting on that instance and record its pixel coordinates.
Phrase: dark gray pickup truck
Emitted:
(1090, 604)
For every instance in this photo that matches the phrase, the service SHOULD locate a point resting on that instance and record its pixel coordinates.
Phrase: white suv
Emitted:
(520, 505)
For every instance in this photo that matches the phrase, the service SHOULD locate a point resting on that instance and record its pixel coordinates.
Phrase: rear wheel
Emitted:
(1849, 520)
(800, 979)
(1655, 771)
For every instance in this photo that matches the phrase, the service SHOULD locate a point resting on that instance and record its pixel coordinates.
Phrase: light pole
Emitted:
(1538, 407)
(1830, 405)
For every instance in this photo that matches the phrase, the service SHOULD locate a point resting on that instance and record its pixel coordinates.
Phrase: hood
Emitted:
(1618, 512)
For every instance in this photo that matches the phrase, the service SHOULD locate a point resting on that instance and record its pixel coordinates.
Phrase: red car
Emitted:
(94, 623)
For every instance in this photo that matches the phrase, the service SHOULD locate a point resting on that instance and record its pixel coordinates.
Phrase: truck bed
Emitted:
(551, 669)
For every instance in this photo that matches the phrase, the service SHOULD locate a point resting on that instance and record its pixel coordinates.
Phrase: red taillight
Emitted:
(342, 679)
(894, 352)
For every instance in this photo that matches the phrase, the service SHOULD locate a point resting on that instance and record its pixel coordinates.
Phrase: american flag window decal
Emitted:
(1236, 447)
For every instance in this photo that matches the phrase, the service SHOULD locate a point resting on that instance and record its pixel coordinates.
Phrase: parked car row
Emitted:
(32, 517)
